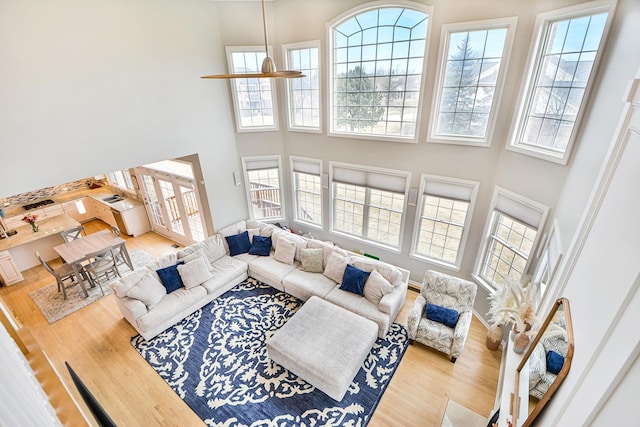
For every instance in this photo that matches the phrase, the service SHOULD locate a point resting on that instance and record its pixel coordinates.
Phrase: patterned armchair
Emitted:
(449, 292)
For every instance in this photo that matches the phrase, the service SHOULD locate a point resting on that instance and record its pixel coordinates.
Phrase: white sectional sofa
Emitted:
(383, 297)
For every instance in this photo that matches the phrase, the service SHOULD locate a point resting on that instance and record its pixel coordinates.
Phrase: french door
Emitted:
(173, 205)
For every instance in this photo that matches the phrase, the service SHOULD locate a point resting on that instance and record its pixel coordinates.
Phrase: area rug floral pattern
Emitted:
(216, 361)
(52, 305)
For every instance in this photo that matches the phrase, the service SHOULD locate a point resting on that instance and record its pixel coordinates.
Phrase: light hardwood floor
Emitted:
(95, 342)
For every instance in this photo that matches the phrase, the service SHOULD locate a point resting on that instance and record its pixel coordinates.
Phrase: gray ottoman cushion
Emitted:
(324, 344)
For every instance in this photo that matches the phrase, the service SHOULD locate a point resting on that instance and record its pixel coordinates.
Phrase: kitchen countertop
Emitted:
(47, 227)
(97, 194)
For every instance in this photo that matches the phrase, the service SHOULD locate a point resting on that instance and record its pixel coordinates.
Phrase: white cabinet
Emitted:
(53, 211)
(71, 209)
(9, 270)
(135, 221)
(14, 222)
(104, 213)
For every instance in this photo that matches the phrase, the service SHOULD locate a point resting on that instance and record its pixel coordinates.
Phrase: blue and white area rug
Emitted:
(216, 361)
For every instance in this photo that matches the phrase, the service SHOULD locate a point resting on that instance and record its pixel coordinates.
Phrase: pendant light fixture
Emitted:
(268, 69)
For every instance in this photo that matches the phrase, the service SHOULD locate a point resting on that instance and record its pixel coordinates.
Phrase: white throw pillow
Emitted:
(148, 290)
(213, 248)
(122, 286)
(165, 261)
(252, 232)
(194, 272)
(312, 260)
(198, 253)
(285, 251)
(335, 267)
(376, 287)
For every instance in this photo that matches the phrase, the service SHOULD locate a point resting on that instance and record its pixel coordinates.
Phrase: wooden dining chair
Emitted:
(100, 266)
(119, 250)
(74, 233)
(64, 275)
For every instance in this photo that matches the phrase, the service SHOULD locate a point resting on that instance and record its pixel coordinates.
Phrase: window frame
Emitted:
(127, 178)
(294, 191)
(405, 175)
(519, 207)
(269, 159)
(463, 186)
(510, 24)
(230, 50)
(428, 10)
(528, 84)
(286, 48)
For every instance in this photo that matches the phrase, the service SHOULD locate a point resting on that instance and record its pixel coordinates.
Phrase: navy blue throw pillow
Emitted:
(239, 243)
(353, 280)
(555, 361)
(446, 316)
(261, 246)
(170, 277)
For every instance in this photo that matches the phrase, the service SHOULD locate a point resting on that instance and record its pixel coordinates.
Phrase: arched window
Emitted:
(377, 61)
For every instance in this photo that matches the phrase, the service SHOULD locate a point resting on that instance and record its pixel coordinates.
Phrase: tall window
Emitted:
(303, 93)
(121, 179)
(562, 61)
(368, 203)
(377, 58)
(470, 80)
(263, 184)
(307, 190)
(444, 214)
(510, 237)
(253, 99)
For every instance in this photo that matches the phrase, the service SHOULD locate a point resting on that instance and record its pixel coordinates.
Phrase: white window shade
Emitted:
(449, 190)
(306, 166)
(521, 210)
(260, 164)
(393, 182)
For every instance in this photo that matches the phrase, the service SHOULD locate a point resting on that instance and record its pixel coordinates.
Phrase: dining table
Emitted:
(76, 251)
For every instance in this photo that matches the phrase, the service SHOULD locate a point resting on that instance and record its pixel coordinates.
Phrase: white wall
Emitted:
(90, 87)
(293, 21)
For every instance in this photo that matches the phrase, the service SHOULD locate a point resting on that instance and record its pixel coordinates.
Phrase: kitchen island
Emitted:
(22, 246)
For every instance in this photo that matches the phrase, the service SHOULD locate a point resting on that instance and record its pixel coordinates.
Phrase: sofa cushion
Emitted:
(170, 277)
(252, 232)
(233, 228)
(238, 243)
(376, 287)
(303, 284)
(212, 248)
(171, 304)
(361, 306)
(353, 280)
(285, 251)
(389, 272)
(270, 271)
(327, 249)
(223, 271)
(334, 269)
(194, 273)
(300, 242)
(246, 258)
(122, 286)
(311, 260)
(164, 261)
(148, 290)
(191, 255)
(260, 246)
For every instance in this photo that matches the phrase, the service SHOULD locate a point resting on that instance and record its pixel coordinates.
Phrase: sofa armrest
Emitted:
(414, 316)
(460, 333)
(131, 309)
(392, 302)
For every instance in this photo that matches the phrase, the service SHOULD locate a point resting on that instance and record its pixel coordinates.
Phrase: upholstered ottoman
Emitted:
(324, 344)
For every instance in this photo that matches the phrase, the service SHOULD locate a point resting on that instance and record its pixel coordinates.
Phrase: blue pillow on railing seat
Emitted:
(446, 316)
(555, 361)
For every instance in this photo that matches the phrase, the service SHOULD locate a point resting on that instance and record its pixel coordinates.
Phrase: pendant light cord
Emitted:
(264, 27)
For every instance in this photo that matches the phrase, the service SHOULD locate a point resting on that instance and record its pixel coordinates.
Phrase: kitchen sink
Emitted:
(113, 199)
